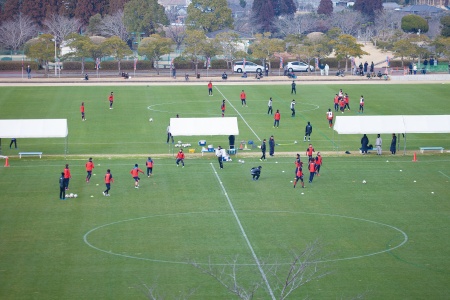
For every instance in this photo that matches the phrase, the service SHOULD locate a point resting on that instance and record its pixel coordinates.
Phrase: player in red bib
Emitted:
(330, 117)
(299, 176)
(89, 166)
(318, 163)
(336, 103)
(243, 98)
(222, 107)
(111, 100)
(135, 174)
(312, 170)
(108, 179)
(180, 158)
(67, 177)
(210, 92)
(309, 152)
(149, 164)
(82, 112)
(347, 102)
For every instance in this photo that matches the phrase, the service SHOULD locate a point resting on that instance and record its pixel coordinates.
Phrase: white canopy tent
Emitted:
(34, 128)
(203, 126)
(392, 124)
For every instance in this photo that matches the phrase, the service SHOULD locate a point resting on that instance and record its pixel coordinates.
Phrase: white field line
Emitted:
(259, 139)
(444, 174)
(244, 234)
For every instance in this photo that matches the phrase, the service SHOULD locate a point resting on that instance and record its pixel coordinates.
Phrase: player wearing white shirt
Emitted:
(330, 117)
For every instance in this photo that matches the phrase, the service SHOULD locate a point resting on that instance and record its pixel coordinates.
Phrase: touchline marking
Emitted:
(244, 234)
(248, 125)
(444, 174)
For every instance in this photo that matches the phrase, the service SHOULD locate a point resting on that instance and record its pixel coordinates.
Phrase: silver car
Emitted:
(249, 67)
(298, 66)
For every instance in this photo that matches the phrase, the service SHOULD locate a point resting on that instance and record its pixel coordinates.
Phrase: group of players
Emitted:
(108, 179)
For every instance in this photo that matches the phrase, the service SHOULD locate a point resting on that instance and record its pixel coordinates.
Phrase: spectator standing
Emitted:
(322, 69)
(378, 143)
(308, 131)
(13, 141)
(29, 71)
(271, 146)
(414, 69)
(169, 135)
(372, 68)
(293, 87)
(231, 139)
(263, 150)
(219, 154)
(366, 64)
(327, 69)
(269, 105)
(174, 72)
(410, 68)
(277, 118)
(364, 144)
(393, 148)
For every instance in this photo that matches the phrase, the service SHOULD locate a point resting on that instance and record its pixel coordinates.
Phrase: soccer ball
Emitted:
(71, 195)
(67, 195)
(364, 181)
(150, 120)
(243, 162)
(75, 195)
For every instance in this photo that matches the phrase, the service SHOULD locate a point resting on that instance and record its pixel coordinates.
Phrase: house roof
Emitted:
(421, 9)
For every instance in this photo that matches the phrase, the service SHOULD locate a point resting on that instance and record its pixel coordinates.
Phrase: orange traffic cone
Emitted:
(415, 157)
(6, 162)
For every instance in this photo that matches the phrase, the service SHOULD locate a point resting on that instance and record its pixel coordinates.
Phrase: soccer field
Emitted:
(386, 239)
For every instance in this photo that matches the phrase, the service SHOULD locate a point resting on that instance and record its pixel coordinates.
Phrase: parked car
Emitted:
(249, 67)
(298, 66)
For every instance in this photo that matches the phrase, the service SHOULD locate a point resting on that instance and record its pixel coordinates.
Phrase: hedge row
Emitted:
(180, 63)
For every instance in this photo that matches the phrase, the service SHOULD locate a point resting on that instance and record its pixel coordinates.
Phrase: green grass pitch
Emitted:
(386, 239)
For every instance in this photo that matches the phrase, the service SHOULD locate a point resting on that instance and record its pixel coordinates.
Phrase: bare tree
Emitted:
(305, 266)
(386, 25)
(14, 33)
(296, 25)
(348, 21)
(113, 25)
(177, 33)
(61, 26)
(152, 293)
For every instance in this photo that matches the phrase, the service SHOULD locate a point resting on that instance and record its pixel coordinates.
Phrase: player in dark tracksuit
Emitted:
(62, 187)
(263, 150)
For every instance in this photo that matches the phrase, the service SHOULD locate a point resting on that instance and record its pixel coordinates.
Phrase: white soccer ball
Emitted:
(243, 161)
(295, 142)
(240, 161)
(71, 195)
(67, 195)
(150, 120)
(75, 195)
(364, 181)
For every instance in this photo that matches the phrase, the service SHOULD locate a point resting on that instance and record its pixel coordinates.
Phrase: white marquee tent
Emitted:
(203, 126)
(392, 124)
(34, 128)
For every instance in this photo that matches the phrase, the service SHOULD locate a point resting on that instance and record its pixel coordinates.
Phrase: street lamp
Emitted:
(54, 39)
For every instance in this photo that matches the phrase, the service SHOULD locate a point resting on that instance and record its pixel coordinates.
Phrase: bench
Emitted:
(422, 149)
(30, 153)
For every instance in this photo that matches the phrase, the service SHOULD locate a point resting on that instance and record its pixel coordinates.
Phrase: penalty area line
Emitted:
(243, 233)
